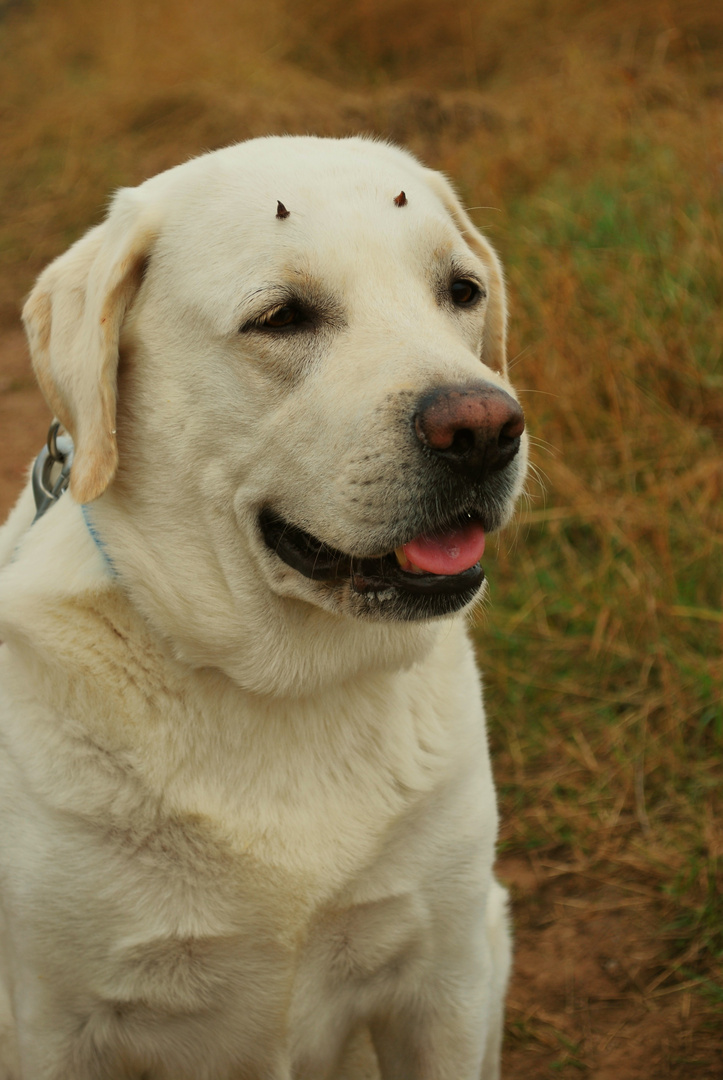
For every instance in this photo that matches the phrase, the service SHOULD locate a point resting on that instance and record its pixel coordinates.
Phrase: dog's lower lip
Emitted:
(316, 560)
(392, 576)
(301, 551)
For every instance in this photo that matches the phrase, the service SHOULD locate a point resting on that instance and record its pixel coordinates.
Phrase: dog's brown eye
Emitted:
(465, 292)
(282, 316)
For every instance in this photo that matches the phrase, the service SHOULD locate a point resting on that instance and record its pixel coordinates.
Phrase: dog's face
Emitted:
(312, 404)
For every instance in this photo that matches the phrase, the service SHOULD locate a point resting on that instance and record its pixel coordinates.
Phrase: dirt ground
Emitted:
(587, 997)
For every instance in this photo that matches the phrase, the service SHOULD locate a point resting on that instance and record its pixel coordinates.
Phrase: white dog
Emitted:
(246, 807)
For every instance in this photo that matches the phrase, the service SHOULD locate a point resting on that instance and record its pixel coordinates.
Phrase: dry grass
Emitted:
(607, 626)
(588, 137)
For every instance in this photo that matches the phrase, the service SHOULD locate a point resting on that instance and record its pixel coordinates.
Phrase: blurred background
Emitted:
(586, 137)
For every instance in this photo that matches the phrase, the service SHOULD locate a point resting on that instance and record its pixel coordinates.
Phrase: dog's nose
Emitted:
(473, 429)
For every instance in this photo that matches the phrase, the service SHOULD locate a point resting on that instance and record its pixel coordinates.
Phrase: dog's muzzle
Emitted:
(465, 437)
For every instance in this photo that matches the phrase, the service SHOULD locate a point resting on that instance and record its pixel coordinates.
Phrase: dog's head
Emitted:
(311, 415)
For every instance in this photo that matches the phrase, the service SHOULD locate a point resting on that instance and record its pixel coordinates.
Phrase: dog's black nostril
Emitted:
(512, 430)
(506, 441)
(462, 442)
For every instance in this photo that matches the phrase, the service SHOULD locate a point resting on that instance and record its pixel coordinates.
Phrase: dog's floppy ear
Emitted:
(73, 319)
(494, 347)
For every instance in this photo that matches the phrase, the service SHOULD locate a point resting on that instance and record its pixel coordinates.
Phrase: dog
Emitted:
(247, 821)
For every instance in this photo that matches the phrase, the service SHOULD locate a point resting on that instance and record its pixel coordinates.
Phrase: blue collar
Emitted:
(97, 540)
(51, 477)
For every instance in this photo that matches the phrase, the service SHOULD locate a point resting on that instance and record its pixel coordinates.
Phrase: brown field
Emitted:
(587, 138)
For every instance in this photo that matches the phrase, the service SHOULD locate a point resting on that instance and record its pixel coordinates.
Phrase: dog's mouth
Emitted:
(442, 563)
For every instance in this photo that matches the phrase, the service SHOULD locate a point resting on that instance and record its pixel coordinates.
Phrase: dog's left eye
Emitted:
(465, 292)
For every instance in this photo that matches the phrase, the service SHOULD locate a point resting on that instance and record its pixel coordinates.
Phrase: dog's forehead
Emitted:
(263, 171)
(280, 199)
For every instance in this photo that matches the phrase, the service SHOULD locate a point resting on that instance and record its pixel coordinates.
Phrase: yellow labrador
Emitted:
(247, 809)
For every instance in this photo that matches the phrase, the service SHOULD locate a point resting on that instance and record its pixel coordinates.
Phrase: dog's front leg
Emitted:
(422, 1045)
(451, 1027)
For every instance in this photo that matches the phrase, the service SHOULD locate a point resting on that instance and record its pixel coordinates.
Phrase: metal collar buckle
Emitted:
(51, 471)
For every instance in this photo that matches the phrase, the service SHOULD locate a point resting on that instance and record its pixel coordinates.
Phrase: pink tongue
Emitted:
(450, 552)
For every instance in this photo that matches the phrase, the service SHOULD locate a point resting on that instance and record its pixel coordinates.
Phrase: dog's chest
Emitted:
(266, 978)
(229, 874)
(243, 954)
(223, 925)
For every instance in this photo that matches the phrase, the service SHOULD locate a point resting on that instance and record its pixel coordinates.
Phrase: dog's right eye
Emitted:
(287, 315)
(279, 318)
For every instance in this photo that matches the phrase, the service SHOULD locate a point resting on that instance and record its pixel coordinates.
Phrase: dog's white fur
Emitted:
(238, 820)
